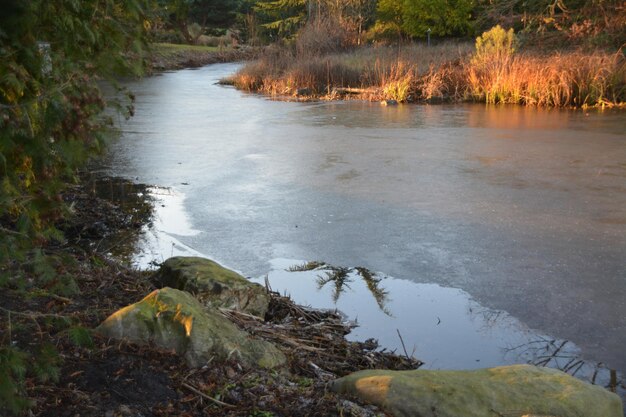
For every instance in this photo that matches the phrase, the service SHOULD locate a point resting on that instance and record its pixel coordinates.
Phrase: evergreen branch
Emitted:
(41, 97)
(12, 232)
(17, 313)
(34, 315)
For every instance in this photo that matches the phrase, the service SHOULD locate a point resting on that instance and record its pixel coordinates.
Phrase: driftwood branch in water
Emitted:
(348, 90)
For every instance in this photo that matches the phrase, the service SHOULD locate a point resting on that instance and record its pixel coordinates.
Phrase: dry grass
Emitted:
(573, 79)
(385, 72)
(446, 72)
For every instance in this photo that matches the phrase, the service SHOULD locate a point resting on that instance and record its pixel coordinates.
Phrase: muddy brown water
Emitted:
(515, 212)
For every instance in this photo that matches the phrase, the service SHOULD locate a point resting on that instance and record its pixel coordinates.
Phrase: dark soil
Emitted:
(99, 377)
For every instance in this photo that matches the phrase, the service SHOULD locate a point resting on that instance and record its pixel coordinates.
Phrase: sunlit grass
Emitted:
(446, 72)
(573, 79)
(385, 72)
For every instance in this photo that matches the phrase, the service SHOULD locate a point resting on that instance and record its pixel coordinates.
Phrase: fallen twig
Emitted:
(403, 347)
(206, 397)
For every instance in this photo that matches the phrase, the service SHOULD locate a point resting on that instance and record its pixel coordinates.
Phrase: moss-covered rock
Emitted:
(174, 319)
(213, 284)
(514, 391)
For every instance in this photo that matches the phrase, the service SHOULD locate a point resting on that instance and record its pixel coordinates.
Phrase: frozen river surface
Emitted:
(521, 211)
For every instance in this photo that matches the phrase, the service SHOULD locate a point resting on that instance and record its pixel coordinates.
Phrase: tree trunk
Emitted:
(185, 31)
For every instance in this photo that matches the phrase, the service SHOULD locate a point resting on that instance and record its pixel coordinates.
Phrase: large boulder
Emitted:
(213, 284)
(174, 319)
(512, 391)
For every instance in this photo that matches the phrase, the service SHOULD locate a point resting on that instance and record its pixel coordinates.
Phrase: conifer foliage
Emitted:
(52, 52)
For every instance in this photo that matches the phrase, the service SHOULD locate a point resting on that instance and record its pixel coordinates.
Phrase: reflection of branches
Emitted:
(559, 354)
(307, 266)
(340, 277)
(373, 284)
(490, 318)
(563, 355)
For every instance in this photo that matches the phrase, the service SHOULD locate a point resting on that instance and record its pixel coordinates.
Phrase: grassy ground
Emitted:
(169, 56)
(168, 48)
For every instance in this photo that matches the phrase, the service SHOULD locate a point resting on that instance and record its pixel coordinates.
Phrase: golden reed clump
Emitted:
(493, 71)
(572, 79)
(496, 73)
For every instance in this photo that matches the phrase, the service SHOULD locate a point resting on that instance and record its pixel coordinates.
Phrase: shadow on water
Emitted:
(114, 214)
(564, 355)
(561, 354)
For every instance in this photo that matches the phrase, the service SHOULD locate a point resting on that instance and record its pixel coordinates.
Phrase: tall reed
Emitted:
(385, 72)
(450, 71)
(573, 79)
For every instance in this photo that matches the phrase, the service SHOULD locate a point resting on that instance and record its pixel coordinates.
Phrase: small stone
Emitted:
(124, 410)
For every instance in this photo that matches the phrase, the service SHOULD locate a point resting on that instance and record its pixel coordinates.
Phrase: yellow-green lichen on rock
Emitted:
(213, 284)
(512, 391)
(174, 319)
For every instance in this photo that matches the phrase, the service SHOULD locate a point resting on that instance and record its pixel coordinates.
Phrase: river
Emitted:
(502, 218)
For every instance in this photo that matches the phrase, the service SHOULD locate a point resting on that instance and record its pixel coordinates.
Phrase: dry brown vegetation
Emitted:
(383, 72)
(320, 66)
(572, 79)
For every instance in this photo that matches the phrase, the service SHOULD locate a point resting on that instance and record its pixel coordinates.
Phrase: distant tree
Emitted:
(283, 18)
(442, 17)
(414, 17)
(352, 15)
(389, 20)
(246, 22)
(205, 13)
(363, 13)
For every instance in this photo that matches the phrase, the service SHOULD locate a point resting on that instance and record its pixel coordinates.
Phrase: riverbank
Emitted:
(446, 72)
(78, 372)
(169, 56)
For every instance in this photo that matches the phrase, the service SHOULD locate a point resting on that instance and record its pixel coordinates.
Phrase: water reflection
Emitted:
(341, 277)
(117, 228)
(445, 328)
(512, 117)
(520, 117)
(565, 356)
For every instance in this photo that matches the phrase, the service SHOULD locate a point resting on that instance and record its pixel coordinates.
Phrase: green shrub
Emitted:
(495, 44)
(399, 88)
